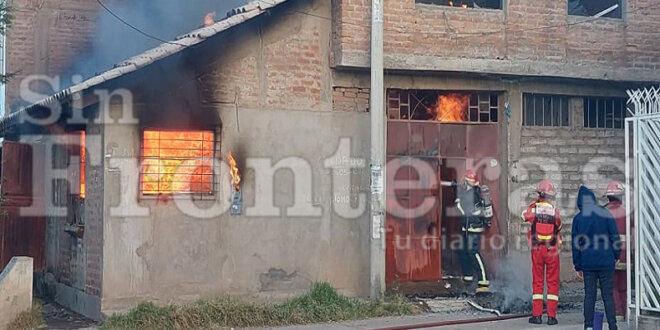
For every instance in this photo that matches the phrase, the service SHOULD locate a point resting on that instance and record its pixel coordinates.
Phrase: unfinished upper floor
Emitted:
(593, 39)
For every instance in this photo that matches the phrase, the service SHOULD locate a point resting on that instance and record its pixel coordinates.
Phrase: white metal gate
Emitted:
(643, 179)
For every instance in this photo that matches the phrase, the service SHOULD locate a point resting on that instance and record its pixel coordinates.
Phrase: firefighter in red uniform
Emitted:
(476, 215)
(614, 194)
(545, 242)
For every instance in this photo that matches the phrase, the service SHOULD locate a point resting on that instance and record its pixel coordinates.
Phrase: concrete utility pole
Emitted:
(377, 255)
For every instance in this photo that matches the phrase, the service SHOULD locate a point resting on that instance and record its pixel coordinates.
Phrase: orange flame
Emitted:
(209, 19)
(177, 162)
(235, 177)
(451, 108)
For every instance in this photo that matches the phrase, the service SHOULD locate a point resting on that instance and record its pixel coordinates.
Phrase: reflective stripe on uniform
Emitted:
(553, 297)
(476, 230)
(484, 283)
(544, 237)
(623, 237)
(537, 297)
(621, 266)
(460, 208)
(468, 278)
(482, 268)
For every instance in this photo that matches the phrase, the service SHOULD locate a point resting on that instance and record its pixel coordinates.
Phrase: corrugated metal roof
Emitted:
(234, 17)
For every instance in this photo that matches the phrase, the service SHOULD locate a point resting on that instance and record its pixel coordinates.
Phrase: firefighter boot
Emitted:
(482, 289)
(552, 321)
(535, 320)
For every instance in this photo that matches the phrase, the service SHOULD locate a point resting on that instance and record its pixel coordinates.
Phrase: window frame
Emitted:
(552, 97)
(503, 5)
(622, 6)
(77, 138)
(182, 194)
(586, 106)
(470, 107)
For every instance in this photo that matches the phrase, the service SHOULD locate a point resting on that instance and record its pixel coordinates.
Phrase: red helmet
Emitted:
(614, 189)
(471, 178)
(546, 188)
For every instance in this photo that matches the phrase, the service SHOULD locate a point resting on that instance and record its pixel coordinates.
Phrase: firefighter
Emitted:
(545, 240)
(476, 216)
(614, 194)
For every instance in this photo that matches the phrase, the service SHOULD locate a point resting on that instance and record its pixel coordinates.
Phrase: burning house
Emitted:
(234, 159)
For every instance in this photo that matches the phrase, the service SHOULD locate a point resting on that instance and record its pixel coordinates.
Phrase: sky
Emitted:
(164, 19)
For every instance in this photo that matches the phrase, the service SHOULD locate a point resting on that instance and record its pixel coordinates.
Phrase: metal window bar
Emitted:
(171, 161)
(644, 175)
(393, 105)
(545, 110)
(604, 112)
(408, 104)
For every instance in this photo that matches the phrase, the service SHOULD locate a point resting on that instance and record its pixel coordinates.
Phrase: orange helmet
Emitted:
(546, 188)
(471, 178)
(614, 189)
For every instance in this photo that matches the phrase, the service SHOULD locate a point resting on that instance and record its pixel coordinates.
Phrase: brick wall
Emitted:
(287, 67)
(350, 99)
(77, 262)
(510, 34)
(45, 35)
(572, 156)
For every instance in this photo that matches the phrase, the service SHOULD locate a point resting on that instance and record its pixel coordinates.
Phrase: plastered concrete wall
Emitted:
(270, 85)
(169, 255)
(15, 289)
(512, 40)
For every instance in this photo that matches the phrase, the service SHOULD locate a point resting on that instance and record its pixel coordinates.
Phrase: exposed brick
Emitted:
(350, 99)
(581, 147)
(45, 36)
(419, 29)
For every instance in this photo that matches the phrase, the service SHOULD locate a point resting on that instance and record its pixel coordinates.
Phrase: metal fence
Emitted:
(643, 179)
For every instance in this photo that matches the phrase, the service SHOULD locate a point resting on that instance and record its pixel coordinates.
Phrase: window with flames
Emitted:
(443, 106)
(177, 162)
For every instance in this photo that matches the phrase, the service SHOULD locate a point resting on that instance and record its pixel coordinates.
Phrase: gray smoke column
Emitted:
(514, 282)
(165, 19)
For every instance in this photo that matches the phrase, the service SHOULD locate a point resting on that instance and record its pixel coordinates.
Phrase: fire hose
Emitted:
(457, 322)
(483, 309)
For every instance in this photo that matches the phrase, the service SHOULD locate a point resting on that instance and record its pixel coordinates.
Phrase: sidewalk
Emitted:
(569, 321)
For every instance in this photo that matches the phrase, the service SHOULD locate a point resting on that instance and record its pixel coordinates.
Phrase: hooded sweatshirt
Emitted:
(595, 238)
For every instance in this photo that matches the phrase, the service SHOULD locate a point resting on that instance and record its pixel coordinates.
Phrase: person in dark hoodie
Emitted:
(596, 250)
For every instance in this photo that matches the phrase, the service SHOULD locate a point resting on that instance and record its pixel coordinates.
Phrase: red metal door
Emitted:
(450, 149)
(413, 246)
(20, 235)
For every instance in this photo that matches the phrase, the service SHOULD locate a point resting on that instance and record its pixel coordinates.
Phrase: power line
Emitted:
(134, 27)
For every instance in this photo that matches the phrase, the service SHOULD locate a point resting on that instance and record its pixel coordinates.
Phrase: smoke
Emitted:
(114, 41)
(514, 283)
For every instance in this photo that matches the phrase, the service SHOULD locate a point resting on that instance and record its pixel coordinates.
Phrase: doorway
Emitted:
(432, 138)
